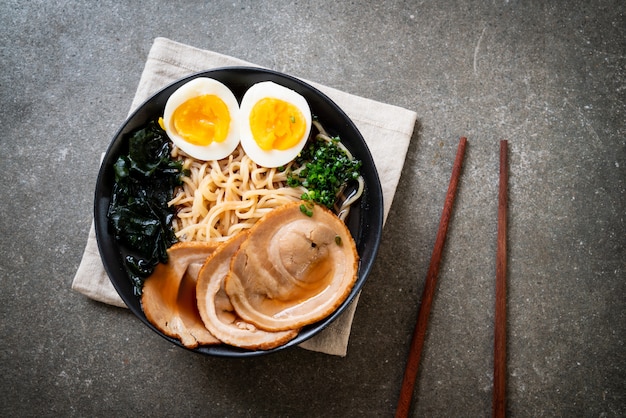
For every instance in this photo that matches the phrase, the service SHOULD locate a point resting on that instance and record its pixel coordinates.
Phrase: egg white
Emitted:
(199, 87)
(259, 91)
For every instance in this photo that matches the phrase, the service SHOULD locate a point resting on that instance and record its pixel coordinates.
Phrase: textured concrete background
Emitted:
(550, 76)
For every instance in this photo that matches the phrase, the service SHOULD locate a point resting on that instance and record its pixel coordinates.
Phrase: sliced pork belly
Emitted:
(218, 313)
(293, 269)
(169, 294)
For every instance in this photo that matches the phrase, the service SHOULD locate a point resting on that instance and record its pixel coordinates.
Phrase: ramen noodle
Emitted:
(220, 198)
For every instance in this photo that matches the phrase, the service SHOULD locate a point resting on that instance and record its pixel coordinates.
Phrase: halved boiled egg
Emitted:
(275, 124)
(201, 118)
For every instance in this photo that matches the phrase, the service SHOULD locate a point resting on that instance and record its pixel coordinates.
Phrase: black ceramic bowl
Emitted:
(365, 220)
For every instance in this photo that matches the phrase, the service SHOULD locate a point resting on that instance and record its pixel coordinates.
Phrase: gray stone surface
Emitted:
(548, 76)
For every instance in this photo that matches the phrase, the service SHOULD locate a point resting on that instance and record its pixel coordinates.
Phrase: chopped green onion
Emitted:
(308, 211)
(326, 168)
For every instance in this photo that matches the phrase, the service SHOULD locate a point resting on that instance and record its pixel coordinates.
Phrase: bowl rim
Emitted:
(373, 205)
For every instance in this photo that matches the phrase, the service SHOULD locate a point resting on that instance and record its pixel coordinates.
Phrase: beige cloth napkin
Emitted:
(387, 130)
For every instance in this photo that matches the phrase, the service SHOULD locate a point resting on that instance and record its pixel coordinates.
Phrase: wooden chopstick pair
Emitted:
(419, 334)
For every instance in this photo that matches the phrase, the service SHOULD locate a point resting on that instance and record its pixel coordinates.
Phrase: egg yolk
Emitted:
(202, 120)
(276, 124)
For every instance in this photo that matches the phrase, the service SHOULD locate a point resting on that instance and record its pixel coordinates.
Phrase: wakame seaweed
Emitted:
(138, 214)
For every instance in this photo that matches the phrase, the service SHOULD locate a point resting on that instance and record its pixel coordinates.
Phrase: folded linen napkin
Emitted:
(387, 130)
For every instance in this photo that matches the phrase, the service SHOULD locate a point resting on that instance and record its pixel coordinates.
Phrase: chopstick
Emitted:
(417, 342)
(499, 349)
